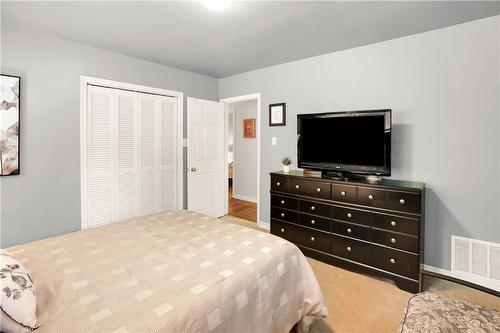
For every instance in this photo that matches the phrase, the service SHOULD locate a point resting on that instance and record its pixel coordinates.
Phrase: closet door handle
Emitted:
(193, 169)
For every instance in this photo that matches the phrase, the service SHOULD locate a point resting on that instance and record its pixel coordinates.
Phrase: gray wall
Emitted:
(443, 87)
(45, 199)
(245, 152)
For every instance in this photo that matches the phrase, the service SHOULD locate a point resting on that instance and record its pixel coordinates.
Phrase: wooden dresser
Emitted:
(375, 228)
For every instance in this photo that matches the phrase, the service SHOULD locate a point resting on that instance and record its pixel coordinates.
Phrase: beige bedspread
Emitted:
(171, 272)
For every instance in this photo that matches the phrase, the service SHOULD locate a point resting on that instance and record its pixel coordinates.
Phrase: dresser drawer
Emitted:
(315, 222)
(369, 196)
(351, 230)
(397, 240)
(310, 188)
(396, 223)
(395, 261)
(284, 202)
(314, 208)
(286, 231)
(279, 184)
(344, 193)
(351, 215)
(285, 215)
(315, 240)
(404, 201)
(351, 249)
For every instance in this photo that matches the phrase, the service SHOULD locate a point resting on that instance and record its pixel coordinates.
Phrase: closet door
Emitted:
(127, 180)
(168, 142)
(100, 155)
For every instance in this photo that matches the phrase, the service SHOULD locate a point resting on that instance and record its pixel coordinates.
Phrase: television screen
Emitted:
(357, 142)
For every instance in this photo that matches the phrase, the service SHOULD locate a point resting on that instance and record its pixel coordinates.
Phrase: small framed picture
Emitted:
(277, 114)
(249, 128)
(9, 124)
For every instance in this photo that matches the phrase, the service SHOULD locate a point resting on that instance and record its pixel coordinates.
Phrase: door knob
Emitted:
(193, 169)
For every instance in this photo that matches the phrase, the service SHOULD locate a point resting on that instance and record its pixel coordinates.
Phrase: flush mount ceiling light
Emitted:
(216, 4)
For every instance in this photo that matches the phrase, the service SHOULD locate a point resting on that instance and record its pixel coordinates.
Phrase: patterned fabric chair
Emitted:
(431, 313)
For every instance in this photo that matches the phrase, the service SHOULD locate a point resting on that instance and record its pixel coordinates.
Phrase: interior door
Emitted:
(206, 157)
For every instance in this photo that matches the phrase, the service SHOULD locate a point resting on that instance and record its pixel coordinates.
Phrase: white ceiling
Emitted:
(246, 36)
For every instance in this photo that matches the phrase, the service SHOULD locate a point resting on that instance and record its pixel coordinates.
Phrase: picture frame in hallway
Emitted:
(249, 128)
(9, 124)
(277, 114)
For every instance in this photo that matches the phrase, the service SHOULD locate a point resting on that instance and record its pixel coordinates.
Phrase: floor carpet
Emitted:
(360, 303)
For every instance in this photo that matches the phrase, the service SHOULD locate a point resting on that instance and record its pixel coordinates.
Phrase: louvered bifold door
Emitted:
(100, 156)
(126, 145)
(149, 148)
(168, 142)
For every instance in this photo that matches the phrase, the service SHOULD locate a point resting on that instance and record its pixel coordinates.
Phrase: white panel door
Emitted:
(206, 159)
(100, 156)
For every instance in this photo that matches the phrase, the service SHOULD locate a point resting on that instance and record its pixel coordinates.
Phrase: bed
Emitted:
(175, 271)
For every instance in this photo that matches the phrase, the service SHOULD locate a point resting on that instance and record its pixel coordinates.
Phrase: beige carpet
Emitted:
(359, 303)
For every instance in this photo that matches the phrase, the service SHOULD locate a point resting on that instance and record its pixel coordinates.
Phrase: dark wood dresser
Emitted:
(375, 228)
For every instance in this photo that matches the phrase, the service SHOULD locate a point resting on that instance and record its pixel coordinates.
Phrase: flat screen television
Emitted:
(356, 142)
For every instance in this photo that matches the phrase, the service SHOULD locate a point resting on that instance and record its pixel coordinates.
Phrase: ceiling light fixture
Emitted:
(216, 4)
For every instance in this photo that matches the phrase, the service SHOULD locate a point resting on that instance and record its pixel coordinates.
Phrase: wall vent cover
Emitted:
(476, 261)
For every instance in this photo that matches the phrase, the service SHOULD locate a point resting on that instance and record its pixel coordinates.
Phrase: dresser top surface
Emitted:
(404, 184)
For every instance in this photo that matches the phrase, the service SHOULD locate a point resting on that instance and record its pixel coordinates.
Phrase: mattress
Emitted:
(175, 271)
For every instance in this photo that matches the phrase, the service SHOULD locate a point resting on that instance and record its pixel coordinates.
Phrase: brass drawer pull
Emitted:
(313, 208)
(313, 222)
(343, 193)
(393, 261)
(402, 201)
(282, 214)
(393, 240)
(297, 186)
(278, 183)
(370, 197)
(282, 202)
(282, 230)
(349, 230)
(318, 190)
(349, 215)
(313, 239)
(348, 249)
(393, 223)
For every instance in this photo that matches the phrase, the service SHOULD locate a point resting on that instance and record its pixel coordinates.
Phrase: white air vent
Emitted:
(476, 261)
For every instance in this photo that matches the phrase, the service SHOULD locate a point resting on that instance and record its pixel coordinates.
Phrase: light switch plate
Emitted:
(273, 141)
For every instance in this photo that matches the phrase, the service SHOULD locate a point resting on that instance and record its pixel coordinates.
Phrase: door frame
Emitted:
(88, 80)
(235, 99)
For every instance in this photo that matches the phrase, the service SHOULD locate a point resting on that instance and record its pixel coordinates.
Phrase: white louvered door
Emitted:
(131, 154)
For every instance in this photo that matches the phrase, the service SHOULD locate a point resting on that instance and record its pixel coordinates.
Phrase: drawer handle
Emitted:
(282, 214)
(318, 190)
(348, 249)
(393, 261)
(393, 240)
(370, 197)
(313, 239)
(349, 215)
(393, 223)
(349, 230)
(313, 222)
(282, 202)
(313, 208)
(343, 193)
(402, 201)
(282, 230)
(297, 187)
(278, 183)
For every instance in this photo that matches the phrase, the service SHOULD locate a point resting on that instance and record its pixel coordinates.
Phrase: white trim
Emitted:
(479, 280)
(84, 82)
(242, 98)
(244, 197)
(264, 225)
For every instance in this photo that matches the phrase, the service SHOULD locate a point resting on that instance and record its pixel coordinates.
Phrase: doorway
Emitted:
(242, 155)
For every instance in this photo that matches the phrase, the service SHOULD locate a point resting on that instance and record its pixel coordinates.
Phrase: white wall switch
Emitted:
(184, 142)
(273, 141)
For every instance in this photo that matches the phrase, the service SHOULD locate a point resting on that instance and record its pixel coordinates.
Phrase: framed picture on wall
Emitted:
(9, 124)
(277, 114)
(249, 128)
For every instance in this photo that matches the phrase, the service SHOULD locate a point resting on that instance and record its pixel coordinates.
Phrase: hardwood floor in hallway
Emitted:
(240, 208)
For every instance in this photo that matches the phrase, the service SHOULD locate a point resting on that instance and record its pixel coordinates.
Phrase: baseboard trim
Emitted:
(479, 281)
(244, 198)
(264, 225)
